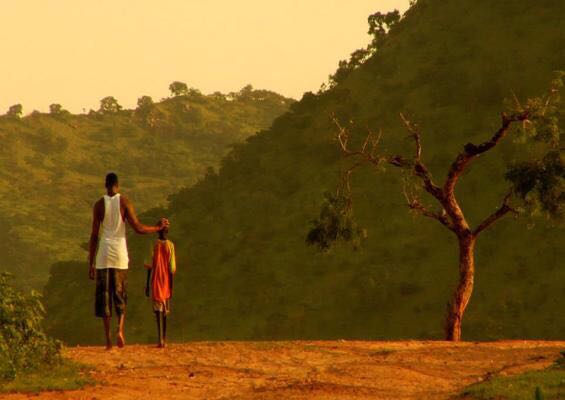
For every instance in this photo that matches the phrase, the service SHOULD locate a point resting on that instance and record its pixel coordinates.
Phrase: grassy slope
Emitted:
(244, 270)
(53, 167)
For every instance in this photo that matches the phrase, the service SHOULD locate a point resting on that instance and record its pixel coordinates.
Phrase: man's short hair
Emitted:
(111, 180)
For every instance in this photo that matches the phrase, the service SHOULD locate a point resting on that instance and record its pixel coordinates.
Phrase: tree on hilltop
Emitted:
(218, 95)
(57, 109)
(178, 88)
(246, 90)
(144, 105)
(15, 111)
(379, 25)
(109, 105)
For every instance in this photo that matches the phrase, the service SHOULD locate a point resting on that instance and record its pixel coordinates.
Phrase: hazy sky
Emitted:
(75, 52)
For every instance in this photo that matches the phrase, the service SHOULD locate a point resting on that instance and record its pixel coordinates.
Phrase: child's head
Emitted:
(163, 232)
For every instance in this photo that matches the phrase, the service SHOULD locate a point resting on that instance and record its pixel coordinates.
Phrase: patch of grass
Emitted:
(69, 375)
(547, 384)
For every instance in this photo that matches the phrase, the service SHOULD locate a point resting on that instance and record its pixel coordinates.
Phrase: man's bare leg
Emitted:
(107, 332)
(121, 338)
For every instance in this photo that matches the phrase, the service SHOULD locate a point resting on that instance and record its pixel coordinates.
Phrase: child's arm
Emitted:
(173, 259)
(148, 264)
(147, 284)
(172, 266)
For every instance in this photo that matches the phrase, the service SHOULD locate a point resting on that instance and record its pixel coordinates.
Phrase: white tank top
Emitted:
(112, 247)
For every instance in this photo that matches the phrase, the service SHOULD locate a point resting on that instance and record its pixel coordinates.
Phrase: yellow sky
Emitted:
(75, 52)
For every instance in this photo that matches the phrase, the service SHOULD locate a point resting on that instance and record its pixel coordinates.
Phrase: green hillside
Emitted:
(53, 165)
(244, 271)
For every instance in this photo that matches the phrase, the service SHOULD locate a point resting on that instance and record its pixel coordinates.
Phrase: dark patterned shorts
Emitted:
(111, 287)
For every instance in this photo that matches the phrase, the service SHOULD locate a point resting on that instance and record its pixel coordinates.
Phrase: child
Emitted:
(160, 274)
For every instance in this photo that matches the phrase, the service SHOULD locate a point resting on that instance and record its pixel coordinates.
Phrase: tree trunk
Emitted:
(458, 304)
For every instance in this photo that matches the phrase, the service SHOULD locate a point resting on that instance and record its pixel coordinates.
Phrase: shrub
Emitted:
(24, 346)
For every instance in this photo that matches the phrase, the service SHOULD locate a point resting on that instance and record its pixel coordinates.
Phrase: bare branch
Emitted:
(368, 153)
(414, 204)
(346, 179)
(470, 150)
(375, 141)
(504, 209)
(416, 166)
(413, 129)
(366, 142)
(473, 150)
(420, 170)
(517, 103)
(343, 139)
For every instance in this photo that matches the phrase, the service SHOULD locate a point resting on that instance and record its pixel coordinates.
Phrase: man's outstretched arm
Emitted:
(97, 216)
(137, 226)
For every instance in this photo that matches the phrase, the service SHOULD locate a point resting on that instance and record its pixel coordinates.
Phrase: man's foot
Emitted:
(121, 340)
(108, 345)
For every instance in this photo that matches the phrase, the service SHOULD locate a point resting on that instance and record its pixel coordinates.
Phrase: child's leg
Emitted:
(164, 328)
(166, 310)
(159, 318)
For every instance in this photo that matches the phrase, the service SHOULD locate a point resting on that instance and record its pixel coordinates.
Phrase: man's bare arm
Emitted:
(97, 216)
(137, 226)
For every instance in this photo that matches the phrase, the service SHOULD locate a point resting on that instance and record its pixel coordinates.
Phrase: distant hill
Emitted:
(244, 271)
(53, 165)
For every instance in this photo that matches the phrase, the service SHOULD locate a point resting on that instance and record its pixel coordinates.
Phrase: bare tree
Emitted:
(448, 211)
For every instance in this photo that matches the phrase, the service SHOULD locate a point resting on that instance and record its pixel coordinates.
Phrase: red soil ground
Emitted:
(300, 370)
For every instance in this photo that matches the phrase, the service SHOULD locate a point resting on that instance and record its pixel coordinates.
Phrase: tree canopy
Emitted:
(109, 105)
(15, 111)
(178, 88)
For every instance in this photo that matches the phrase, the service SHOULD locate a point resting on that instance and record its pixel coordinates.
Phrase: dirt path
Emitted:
(300, 370)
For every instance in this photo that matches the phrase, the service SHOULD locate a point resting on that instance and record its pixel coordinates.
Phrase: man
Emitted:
(108, 257)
